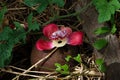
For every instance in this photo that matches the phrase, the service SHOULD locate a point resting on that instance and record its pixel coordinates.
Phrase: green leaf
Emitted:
(68, 58)
(19, 34)
(18, 26)
(60, 3)
(102, 30)
(114, 29)
(29, 19)
(2, 12)
(63, 69)
(58, 67)
(5, 54)
(31, 3)
(42, 6)
(106, 9)
(32, 25)
(104, 15)
(36, 26)
(5, 34)
(100, 43)
(101, 66)
(77, 58)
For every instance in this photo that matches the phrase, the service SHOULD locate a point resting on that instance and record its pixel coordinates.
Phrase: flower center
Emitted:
(59, 34)
(60, 42)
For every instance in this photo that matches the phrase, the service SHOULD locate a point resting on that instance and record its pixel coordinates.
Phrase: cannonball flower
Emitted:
(58, 37)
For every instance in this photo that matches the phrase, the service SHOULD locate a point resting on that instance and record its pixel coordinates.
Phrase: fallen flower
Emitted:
(59, 37)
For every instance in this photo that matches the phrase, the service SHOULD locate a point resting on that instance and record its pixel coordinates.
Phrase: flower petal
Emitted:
(75, 38)
(44, 45)
(49, 29)
(66, 29)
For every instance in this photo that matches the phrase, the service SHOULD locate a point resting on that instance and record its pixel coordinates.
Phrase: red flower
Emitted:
(59, 37)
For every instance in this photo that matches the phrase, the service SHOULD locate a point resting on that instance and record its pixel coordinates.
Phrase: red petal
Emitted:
(67, 29)
(44, 45)
(49, 29)
(75, 38)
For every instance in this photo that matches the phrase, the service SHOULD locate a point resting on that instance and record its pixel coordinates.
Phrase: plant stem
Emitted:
(68, 15)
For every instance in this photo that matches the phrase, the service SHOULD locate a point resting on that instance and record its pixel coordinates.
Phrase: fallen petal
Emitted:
(75, 38)
(44, 45)
(49, 29)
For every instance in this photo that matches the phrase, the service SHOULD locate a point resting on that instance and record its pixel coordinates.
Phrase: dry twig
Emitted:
(17, 77)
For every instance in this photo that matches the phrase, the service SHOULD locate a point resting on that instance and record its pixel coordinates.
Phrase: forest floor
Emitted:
(18, 11)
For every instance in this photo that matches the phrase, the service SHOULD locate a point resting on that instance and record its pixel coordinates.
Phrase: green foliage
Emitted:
(114, 29)
(106, 9)
(63, 69)
(41, 5)
(68, 58)
(19, 34)
(5, 54)
(2, 12)
(102, 30)
(4, 35)
(8, 39)
(77, 58)
(101, 66)
(100, 43)
(32, 25)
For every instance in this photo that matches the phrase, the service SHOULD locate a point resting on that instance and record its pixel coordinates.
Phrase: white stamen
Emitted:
(59, 34)
(60, 42)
